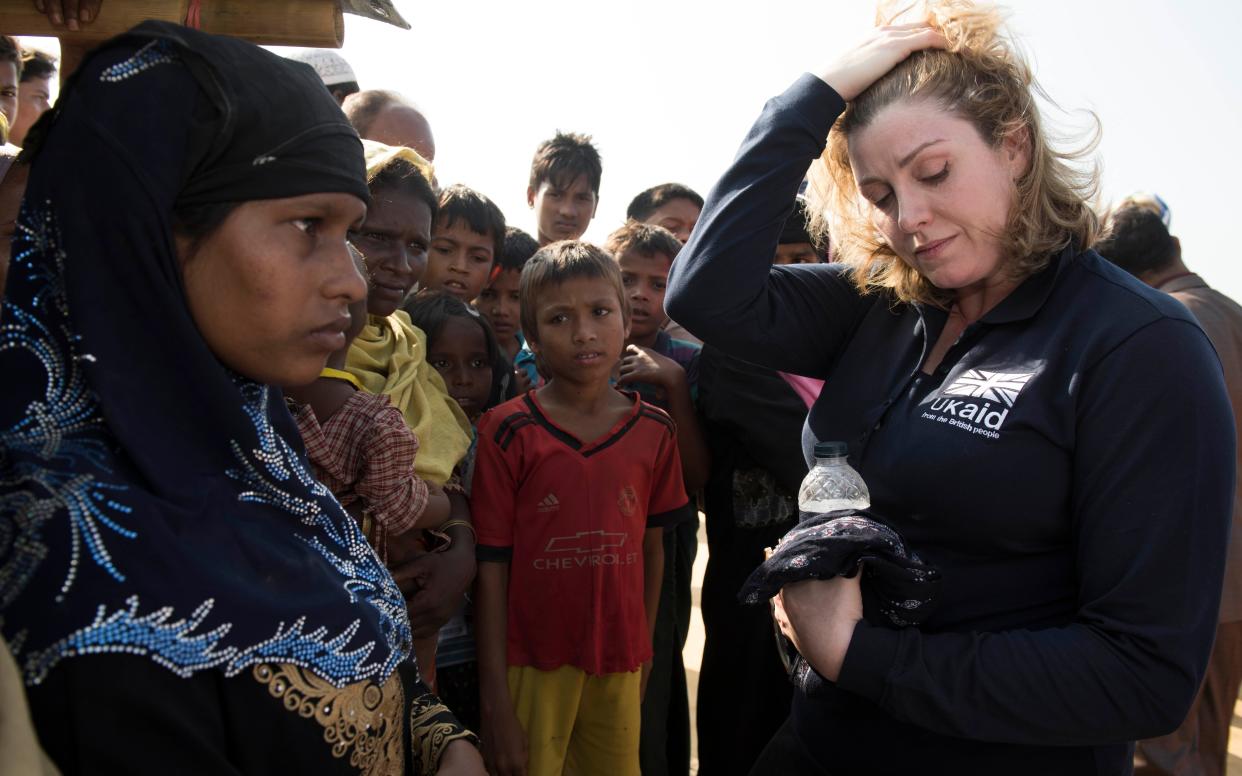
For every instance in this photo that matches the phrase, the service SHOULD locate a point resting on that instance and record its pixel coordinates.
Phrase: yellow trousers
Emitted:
(577, 724)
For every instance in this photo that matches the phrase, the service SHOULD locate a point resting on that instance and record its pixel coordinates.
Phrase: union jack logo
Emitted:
(992, 386)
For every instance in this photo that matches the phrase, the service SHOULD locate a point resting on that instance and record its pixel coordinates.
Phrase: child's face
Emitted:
(393, 242)
(645, 278)
(460, 260)
(498, 303)
(581, 330)
(562, 213)
(795, 253)
(678, 216)
(460, 356)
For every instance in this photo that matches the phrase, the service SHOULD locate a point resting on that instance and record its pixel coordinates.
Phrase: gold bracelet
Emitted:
(474, 537)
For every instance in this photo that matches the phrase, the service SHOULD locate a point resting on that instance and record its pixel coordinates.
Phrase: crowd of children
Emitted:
(518, 429)
(589, 448)
(589, 451)
(481, 547)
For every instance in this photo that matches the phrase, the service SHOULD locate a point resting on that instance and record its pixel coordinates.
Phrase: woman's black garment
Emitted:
(158, 521)
(752, 420)
(786, 755)
(1067, 467)
(123, 715)
(896, 584)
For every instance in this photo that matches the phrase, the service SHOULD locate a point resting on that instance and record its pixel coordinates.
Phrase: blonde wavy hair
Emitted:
(984, 79)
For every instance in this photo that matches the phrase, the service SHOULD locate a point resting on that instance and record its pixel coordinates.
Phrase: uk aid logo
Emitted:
(978, 401)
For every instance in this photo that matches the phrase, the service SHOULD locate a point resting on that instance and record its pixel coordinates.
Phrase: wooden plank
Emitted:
(270, 22)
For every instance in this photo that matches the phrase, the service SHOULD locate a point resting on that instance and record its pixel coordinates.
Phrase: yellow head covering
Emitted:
(380, 156)
(390, 357)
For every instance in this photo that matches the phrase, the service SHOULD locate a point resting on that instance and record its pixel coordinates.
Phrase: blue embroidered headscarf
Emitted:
(152, 502)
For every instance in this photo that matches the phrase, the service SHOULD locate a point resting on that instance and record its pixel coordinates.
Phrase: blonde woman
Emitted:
(1049, 433)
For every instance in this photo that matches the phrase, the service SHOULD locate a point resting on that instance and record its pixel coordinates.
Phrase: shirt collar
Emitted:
(1182, 283)
(1027, 299)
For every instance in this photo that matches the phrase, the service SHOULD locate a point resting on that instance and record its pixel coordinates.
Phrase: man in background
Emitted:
(387, 117)
(1139, 242)
(332, 68)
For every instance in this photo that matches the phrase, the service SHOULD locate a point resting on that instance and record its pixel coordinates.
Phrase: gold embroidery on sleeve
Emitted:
(362, 719)
(432, 729)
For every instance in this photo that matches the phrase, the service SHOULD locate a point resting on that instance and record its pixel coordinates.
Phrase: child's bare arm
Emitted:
(324, 396)
(504, 741)
(437, 511)
(643, 365)
(440, 579)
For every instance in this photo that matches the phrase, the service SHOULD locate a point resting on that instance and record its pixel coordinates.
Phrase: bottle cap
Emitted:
(831, 449)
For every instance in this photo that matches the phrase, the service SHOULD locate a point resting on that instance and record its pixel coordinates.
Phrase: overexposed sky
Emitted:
(669, 88)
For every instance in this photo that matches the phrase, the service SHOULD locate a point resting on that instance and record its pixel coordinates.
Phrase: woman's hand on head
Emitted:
(819, 616)
(866, 63)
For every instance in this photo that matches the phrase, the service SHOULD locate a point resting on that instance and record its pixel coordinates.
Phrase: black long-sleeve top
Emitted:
(1068, 467)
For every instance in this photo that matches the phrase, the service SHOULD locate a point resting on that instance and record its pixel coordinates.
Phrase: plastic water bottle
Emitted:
(832, 485)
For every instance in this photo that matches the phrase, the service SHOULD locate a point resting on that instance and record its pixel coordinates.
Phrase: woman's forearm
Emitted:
(723, 286)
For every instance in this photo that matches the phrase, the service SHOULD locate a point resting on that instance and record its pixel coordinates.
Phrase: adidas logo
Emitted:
(549, 503)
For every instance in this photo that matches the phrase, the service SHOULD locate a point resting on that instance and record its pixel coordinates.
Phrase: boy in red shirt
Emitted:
(573, 484)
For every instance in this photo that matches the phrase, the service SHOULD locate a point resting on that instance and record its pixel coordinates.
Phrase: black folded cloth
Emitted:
(897, 585)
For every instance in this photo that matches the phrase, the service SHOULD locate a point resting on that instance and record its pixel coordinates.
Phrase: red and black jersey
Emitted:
(570, 518)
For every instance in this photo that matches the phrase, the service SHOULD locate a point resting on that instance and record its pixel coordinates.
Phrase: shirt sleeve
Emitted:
(667, 502)
(395, 496)
(493, 498)
(723, 286)
(1153, 485)
(331, 465)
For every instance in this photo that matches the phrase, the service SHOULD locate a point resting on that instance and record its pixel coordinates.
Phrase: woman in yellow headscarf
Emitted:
(390, 357)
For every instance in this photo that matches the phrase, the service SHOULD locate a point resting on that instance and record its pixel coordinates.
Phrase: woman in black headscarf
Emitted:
(180, 594)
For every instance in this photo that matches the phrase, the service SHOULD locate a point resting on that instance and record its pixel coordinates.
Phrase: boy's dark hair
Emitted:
(364, 107)
(11, 52)
(563, 158)
(519, 247)
(402, 175)
(656, 197)
(554, 264)
(479, 213)
(37, 64)
(344, 89)
(648, 240)
(1138, 241)
(430, 310)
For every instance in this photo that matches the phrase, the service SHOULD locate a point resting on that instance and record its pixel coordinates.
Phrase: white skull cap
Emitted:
(331, 66)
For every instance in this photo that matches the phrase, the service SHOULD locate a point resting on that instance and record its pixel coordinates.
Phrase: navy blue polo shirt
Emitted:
(1068, 467)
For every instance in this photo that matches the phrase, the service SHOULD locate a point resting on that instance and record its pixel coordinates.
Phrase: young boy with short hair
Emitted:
(573, 485)
(664, 371)
(468, 235)
(564, 186)
(498, 301)
(670, 205)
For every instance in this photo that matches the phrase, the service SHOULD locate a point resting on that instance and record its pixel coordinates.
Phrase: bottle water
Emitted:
(832, 485)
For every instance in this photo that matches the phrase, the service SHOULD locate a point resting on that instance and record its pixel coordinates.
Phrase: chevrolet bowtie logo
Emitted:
(586, 541)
